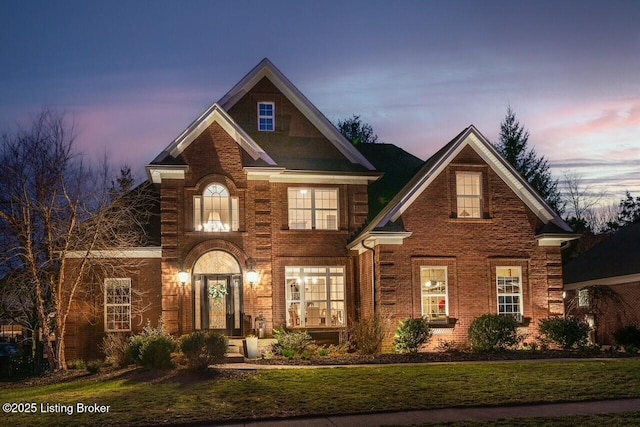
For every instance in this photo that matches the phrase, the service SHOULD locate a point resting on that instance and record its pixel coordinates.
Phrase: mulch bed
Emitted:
(434, 357)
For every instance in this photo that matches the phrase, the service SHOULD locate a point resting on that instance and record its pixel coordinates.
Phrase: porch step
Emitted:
(235, 358)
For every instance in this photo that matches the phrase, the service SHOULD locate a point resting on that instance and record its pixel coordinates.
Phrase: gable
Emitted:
(310, 143)
(554, 232)
(295, 143)
(265, 69)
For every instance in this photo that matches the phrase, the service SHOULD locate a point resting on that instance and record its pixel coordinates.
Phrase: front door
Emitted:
(223, 309)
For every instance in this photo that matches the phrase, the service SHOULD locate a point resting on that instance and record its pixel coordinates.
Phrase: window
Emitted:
(509, 280)
(117, 305)
(313, 208)
(315, 296)
(435, 304)
(468, 195)
(266, 116)
(583, 297)
(215, 210)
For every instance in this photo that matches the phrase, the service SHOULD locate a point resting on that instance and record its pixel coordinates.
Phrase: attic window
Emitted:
(266, 116)
(469, 196)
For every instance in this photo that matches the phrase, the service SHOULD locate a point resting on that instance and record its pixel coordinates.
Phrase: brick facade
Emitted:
(382, 279)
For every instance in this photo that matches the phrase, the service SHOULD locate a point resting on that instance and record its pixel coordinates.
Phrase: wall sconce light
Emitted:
(183, 277)
(252, 275)
(564, 294)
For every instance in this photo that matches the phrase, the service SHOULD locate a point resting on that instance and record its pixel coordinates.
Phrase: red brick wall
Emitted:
(471, 249)
(611, 312)
(263, 231)
(85, 324)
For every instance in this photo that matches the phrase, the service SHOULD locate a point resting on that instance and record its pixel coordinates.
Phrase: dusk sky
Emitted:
(133, 75)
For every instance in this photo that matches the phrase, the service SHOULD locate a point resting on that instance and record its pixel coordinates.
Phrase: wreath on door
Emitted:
(218, 291)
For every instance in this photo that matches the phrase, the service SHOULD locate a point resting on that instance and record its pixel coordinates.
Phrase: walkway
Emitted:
(451, 414)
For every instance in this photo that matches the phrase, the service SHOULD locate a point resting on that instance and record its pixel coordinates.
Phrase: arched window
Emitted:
(215, 210)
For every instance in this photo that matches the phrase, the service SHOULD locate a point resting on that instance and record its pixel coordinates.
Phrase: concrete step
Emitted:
(235, 358)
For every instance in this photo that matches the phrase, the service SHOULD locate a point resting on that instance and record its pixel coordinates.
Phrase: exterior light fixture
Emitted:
(252, 275)
(183, 277)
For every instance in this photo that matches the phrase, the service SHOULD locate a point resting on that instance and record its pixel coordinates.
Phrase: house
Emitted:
(270, 217)
(603, 284)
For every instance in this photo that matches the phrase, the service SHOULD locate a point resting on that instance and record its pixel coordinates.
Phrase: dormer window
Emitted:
(469, 195)
(266, 116)
(215, 210)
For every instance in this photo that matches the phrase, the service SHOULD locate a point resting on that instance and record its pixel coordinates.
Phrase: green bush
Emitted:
(151, 348)
(366, 335)
(203, 348)
(628, 337)
(76, 364)
(491, 332)
(411, 335)
(565, 332)
(290, 344)
(93, 367)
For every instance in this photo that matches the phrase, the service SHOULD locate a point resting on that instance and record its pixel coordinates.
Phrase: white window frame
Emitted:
(316, 213)
(424, 287)
(464, 201)
(114, 308)
(216, 224)
(334, 302)
(520, 306)
(267, 117)
(583, 297)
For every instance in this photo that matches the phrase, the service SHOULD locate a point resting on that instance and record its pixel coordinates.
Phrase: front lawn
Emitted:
(139, 397)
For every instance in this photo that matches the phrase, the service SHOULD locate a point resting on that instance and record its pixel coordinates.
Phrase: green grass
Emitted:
(149, 399)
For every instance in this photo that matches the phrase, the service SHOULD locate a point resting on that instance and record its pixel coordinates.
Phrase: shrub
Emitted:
(76, 364)
(565, 332)
(366, 335)
(290, 344)
(411, 335)
(491, 332)
(628, 337)
(93, 367)
(114, 346)
(203, 348)
(151, 348)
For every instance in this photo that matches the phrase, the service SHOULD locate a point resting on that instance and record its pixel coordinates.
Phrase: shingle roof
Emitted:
(398, 167)
(618, 255)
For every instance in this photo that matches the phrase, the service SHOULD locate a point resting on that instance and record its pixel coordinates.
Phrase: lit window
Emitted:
(315, 296)
(266, 116)
(509, 282)
(215, 210)
(468, 195)
(313, 208)
(435, 305)
(117, 305)
(583, 297)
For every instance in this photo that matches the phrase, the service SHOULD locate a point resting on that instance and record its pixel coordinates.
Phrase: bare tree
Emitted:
(56, 213)
(582, 202)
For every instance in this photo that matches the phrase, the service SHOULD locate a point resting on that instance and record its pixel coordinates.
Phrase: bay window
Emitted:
(315, 296)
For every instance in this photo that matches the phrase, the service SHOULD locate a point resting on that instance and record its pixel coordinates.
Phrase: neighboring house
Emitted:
(603, 284)
(269, 214)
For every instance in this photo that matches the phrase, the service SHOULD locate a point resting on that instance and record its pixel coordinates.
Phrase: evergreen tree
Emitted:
(513, 145)
(629, 213)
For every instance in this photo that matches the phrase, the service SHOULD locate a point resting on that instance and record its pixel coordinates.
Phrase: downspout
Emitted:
(373, 273)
